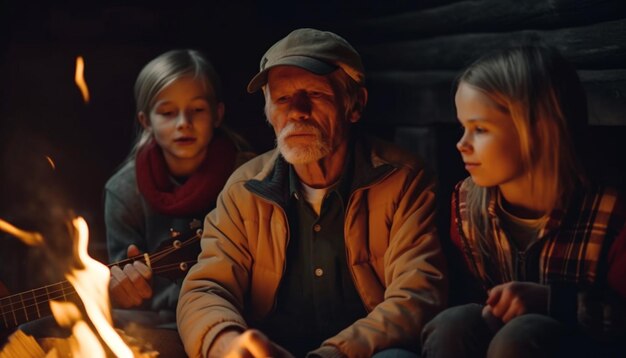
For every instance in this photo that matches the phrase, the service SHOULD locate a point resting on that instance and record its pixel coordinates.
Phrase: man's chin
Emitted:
(302, 155)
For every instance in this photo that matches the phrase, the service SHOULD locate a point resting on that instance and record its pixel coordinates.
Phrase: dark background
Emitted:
(412, 51)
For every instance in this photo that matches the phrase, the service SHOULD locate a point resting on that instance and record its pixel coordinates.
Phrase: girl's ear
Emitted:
(143, 120)
(357, 111)
(220, 114)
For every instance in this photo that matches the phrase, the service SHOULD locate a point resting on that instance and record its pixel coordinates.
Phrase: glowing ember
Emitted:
(51, 162)
(79, 78)
(29, 238)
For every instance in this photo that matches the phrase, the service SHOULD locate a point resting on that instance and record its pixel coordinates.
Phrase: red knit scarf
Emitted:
(199, 193)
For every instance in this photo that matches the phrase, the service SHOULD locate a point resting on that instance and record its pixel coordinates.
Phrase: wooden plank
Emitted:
(418, 140)
(606, 97)
(424, 98)
(369, 9)
(597, 46)
(410, 98)
(486, 16)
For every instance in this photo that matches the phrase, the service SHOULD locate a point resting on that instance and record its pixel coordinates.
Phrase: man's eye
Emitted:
(283, 99)
(315, 94)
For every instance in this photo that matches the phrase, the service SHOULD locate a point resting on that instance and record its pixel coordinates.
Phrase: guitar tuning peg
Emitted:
(174, 233)
(195, 224)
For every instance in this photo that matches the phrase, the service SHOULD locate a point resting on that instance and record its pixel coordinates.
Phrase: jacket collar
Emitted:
(365, 167)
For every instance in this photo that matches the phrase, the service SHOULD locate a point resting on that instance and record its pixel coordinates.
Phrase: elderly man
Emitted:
(325, 246)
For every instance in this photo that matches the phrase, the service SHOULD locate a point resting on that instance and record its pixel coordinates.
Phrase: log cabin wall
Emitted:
(413, 56)
(412, 51)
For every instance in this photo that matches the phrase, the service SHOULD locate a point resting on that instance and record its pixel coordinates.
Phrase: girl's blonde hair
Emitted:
(167, 68)
(544, 97)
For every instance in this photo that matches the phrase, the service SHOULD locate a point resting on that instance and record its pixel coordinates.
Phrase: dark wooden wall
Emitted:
(412, 51)
(413, 57)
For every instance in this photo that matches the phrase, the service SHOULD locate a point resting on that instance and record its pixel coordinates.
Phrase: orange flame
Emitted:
(79, 78)
(83, 342)
(91, 284)
(51, 162)
(29, 238)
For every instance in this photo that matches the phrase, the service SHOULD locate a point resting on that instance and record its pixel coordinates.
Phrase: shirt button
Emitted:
(317, 227)
(319, 272)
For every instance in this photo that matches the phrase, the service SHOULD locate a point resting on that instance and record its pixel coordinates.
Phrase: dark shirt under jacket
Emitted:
(317, 297)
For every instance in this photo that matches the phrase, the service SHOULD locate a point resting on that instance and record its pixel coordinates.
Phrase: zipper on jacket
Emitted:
(287, 237)
(348, 206)
(282, 276)
(520, 270)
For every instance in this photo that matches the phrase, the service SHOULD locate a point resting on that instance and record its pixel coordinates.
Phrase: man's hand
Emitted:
(512, 299)
(130, 286)
(249, 344)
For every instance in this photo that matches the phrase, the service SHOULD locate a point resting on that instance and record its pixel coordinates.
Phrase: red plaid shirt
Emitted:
(582, 247)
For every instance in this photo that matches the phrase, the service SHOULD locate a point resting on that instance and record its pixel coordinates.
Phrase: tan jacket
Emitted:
(391, 243)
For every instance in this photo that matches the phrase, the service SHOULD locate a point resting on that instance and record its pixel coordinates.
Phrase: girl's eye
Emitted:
(199, 109)
(479, 129)
(166, 113)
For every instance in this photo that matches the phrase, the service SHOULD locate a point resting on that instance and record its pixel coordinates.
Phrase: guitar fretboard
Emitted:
(27, 306)
(30, 305)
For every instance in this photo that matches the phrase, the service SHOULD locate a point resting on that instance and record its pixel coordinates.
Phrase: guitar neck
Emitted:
(30, 305)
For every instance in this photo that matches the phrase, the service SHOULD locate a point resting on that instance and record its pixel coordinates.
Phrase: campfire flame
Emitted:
(29, 238)
(90, 279)
(68, 315)
(79, 78)
(51, 162)
(91, 283)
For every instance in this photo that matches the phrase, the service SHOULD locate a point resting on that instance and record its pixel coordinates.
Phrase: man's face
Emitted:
(306, 112)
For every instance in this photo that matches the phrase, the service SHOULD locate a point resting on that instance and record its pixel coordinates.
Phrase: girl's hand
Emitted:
(130, 286)
(512, 299)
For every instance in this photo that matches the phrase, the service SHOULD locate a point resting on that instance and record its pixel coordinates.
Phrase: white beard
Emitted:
(299, 153)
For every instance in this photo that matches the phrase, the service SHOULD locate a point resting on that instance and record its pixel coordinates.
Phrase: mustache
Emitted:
(299, 128)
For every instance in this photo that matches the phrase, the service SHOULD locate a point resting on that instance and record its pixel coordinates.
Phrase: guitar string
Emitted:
(156, 257)
(28, 305)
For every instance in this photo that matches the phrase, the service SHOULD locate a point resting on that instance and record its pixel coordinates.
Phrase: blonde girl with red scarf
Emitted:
(170, 181)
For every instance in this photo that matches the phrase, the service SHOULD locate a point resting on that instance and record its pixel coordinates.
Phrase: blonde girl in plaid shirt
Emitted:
(541, 248)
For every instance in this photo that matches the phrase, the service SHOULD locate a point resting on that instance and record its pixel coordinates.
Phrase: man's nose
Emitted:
(301, 107)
